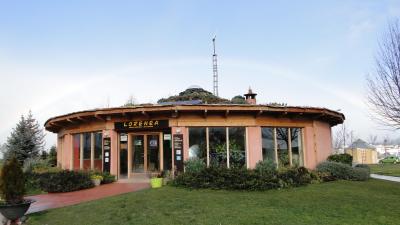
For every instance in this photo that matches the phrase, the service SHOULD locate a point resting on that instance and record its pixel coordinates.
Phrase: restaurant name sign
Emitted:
(141, 124)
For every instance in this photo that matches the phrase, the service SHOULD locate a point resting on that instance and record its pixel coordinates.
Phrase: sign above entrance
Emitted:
(140, 125)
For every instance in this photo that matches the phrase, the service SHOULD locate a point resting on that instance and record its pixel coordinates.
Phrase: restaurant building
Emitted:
(150, 138)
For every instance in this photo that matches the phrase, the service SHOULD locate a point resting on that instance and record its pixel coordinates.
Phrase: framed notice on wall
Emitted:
(178, 151)
(107, 154)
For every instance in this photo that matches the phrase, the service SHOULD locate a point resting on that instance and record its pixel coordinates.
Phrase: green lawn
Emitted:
(386, 169)
(341, 202)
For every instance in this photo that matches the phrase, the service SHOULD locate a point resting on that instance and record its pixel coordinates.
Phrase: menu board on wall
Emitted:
(178, 151)
(107, 154)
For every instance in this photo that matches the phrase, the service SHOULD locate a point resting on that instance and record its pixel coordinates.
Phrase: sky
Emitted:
(58, 57)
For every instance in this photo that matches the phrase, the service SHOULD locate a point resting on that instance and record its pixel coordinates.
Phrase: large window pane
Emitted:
(77, 153)
(98, 151)
(268, 146)
(297, 159)
(217, 138)
(86, 145)
(237, 147)
(98, 138)
(282, 147)
(197, 143)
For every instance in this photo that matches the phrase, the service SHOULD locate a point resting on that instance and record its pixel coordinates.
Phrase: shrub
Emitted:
(65, 181)
(364, 166)
(341, 158)
(266, 167)
(360, 174)
(12, 182)
(243, 179)
(31, 164)
(336, 169)
(194, 165)
(107, 178)
(294, 177)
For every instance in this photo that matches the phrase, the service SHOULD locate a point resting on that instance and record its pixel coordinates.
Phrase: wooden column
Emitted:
(276, 149)
(145, 152)
(161, 151)
(92, 151)
(81, 152)
(227, 146)
(130, 151)
(290, 146)
(208, 147)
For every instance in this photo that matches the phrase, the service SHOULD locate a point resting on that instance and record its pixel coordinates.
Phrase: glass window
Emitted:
(237, 147)
(217, 139)
(282, 146)
(77, 153)
(197, 143)
(98, 141)
(268, 144)
(297, 151)
(86, 145)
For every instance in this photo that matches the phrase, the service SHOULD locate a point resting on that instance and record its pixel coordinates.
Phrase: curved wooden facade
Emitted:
(125, 128)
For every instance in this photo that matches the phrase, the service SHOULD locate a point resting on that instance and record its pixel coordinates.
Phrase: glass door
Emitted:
(153, 156)
(138, 152)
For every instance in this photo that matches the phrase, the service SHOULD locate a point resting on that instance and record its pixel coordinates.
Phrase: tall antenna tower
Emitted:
(215, 70)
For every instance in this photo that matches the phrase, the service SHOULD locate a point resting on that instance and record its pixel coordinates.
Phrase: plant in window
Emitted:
(237, 155)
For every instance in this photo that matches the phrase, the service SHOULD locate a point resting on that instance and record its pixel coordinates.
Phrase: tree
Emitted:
(384, 84)
(44, 155)
(53, 156)
(26, 139)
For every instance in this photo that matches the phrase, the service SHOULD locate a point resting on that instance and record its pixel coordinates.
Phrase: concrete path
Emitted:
(57, 200)
(383, 177)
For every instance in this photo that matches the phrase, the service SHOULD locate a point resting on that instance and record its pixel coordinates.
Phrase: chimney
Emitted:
(250, 97)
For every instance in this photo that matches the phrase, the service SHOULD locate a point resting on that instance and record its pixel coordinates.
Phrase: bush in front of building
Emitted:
(64, 181)
(244, 179)
(107, 177)
(340, 171)
(266, 167)
(341, 158)
(194, 165)
(363, 166)
(360, 174)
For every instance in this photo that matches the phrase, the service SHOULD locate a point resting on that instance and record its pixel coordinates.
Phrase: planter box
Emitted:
(156, 182)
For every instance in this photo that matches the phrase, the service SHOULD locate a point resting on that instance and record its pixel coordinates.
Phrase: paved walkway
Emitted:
(57, 200)
(383, 177)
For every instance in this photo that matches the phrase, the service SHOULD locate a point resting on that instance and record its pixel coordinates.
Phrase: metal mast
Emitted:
(215, 71)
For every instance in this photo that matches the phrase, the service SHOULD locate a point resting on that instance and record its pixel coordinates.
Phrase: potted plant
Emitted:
(166, 175)
(12, 186)
(156, 180)
(96, 179)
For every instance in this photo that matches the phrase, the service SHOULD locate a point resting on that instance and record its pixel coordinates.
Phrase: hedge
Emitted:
(244, 179)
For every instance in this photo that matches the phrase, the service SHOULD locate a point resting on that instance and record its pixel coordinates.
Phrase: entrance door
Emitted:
(145, 152)
(153, 156)
(138, 152)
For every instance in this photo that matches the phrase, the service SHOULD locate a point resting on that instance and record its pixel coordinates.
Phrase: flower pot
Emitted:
(156, 182)
(96, 182)
(15, 211)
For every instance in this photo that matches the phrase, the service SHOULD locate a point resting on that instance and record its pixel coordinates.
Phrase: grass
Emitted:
(341, 202)
(386, 169)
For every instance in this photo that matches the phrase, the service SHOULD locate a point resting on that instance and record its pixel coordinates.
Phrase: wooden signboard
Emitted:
(135, 125)
(178, 151)
(106, 154)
